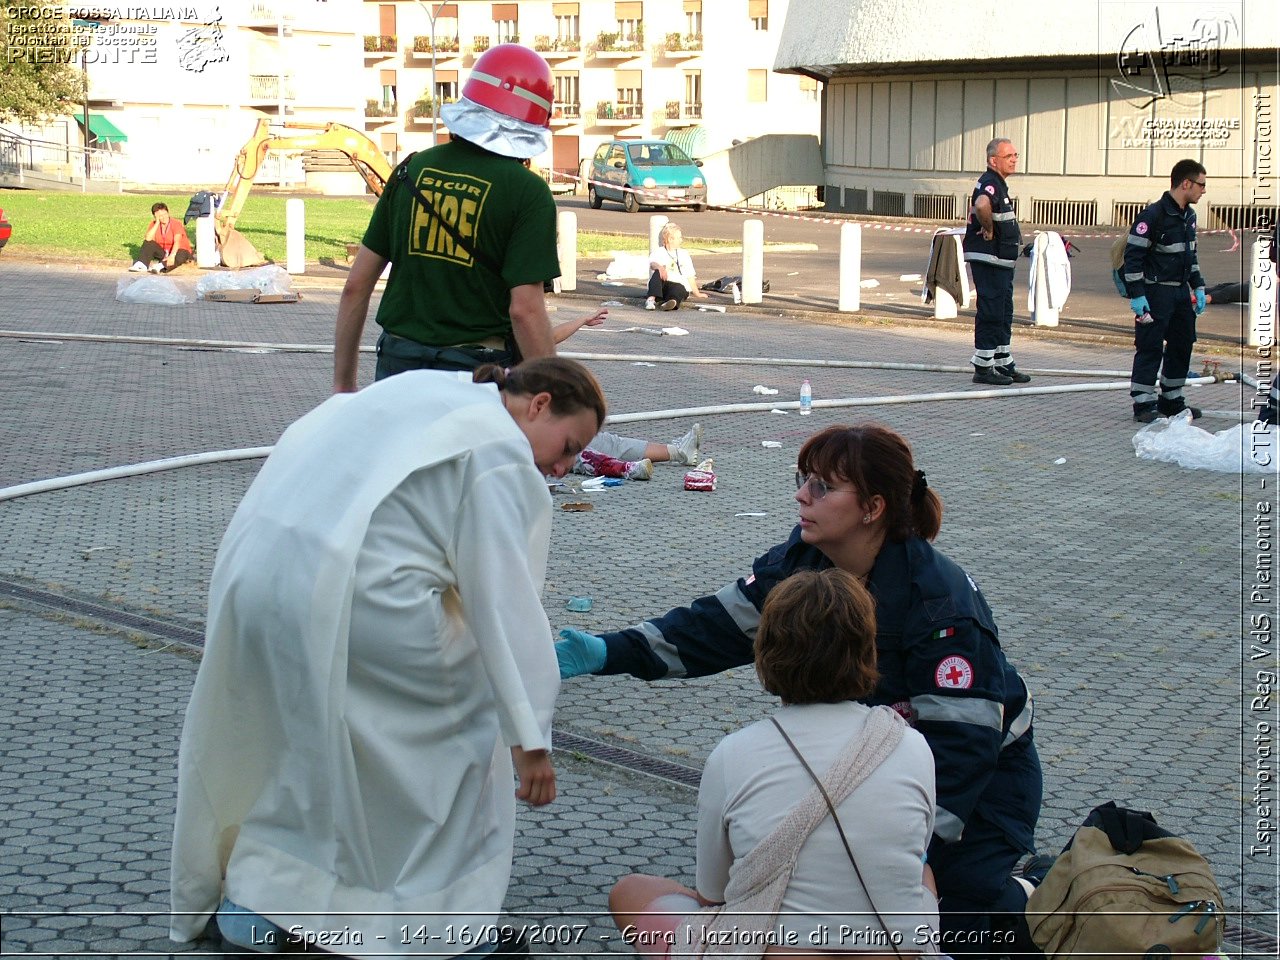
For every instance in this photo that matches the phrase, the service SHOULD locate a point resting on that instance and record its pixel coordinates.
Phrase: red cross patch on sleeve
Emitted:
(1141, 228)
(954, 673)
(990, 188)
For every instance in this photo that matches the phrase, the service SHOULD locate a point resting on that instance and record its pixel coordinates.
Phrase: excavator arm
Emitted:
(359, 149)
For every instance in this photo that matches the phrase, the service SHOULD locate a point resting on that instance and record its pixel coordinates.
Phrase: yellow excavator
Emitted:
(363, 153)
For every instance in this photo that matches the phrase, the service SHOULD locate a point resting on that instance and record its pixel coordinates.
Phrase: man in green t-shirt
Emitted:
(471, 248)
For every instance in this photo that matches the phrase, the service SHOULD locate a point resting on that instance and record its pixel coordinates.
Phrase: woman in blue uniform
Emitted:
(866, 509)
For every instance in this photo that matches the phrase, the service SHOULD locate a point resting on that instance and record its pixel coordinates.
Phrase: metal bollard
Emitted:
(1262, 296)
(207, 256)
(295, 236)
(567, 245)
(850, 267)
(656, 222)
(753, 261)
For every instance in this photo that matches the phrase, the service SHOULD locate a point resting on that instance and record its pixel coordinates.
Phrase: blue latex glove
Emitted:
(1139, 306)
(579, 653)
(1199, 300)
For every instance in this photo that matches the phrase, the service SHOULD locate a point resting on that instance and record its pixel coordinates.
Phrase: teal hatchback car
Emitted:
(646, 173)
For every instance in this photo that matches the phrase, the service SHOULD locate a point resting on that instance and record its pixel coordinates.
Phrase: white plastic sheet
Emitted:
(1244, 448)
(154, 289)
(271, 278)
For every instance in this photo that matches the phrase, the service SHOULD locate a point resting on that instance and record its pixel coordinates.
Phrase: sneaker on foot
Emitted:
(640, 469)
(1013, 374)
(157, 267)
(990, 376)
(670, 304)
(138, 267)
(685, 449)
(651, 304)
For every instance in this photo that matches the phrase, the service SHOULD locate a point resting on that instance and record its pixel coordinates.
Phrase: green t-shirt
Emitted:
(436, 294)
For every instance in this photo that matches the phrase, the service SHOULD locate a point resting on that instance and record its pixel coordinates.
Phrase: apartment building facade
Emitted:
(694, 71)
(172, 100)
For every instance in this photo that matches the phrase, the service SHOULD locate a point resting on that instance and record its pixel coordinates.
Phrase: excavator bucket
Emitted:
(238, 252)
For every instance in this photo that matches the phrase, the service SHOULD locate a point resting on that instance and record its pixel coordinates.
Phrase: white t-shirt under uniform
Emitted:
(679, 266)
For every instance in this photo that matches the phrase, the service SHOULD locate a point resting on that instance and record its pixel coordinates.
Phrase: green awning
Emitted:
(102, 130)
(692, 140)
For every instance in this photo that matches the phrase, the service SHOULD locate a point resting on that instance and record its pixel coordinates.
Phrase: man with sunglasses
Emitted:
(1162, 276)
(992, 243)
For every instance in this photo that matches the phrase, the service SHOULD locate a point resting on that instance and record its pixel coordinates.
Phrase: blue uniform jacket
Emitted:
(1003, 248)
(1162, 248)
(940, 661)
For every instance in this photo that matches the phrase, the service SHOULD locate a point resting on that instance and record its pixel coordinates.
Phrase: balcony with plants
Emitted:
(378, 113)
(444, 48)
(379, 45)
(566, 114)
(682, 46)
(681, 113)
(618, 46)
(610, 113)
(554, 49)
(421, 113)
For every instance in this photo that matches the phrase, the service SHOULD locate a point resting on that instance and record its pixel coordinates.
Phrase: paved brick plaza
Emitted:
(1117, 585)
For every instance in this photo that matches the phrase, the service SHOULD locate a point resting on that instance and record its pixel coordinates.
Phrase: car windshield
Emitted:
(658, 155)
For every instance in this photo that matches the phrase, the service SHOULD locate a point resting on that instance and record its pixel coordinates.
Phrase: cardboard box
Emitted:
(250, 296)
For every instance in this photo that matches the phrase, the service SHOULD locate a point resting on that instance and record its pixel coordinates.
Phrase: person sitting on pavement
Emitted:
(672, 279)
(804, 858)
(864, 508)
(628, 458)
(165, 245)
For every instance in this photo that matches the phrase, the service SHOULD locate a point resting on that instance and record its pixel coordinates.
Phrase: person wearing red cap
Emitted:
(470, 234)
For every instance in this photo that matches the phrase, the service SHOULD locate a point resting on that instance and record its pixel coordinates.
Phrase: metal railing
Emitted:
(50, 161)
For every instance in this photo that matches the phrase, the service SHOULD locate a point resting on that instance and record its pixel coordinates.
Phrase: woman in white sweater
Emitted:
(792, 880)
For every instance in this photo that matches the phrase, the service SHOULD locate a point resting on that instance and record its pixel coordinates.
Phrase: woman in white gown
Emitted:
(375, 644)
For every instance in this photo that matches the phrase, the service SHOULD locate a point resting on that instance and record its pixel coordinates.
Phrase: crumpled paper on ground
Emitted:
(155, 289)
(1244, 448)
(271, 278)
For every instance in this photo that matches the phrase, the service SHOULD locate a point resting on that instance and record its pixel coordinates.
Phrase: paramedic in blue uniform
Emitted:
(992, 242)
(864, 508)
(1166, 293)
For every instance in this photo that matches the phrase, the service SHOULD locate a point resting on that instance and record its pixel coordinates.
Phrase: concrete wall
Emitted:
(1078, 136)
(757, 165)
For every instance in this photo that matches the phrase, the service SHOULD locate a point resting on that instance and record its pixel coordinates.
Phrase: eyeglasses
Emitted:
(1006, 156)
(1199, 183)
(817, 488)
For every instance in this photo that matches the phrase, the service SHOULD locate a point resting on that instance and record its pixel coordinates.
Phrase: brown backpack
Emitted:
(1125, 888)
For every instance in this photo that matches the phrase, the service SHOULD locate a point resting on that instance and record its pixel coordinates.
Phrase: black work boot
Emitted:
(991, 376)
(1011, 371)
(1145, 414)
(1172, 411)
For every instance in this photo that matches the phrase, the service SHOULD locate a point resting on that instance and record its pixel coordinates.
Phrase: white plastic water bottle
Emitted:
(806, 399)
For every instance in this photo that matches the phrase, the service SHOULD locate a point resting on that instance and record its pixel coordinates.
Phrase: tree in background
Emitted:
(40, 74)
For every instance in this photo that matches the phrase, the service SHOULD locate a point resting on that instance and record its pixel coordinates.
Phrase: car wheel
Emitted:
(699, 208)
(631, 202)
(593, 198)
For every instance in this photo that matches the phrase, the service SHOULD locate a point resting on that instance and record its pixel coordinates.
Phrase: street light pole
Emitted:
(433, 11)
(84, 67)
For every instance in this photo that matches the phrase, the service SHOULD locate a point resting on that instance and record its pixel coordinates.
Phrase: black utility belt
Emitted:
(441, 358)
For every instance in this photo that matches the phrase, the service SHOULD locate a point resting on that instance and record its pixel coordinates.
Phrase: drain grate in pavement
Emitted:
(1252, 940)
(627, 759)
(104, 613)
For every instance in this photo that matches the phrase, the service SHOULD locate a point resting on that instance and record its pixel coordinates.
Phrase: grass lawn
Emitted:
(109, 227)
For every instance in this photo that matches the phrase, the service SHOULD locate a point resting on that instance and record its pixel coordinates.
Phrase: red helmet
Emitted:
(514, 81)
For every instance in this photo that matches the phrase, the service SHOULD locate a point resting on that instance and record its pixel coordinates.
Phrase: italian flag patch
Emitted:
(944, 633)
